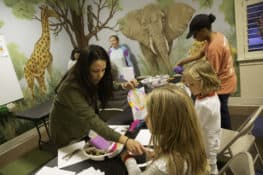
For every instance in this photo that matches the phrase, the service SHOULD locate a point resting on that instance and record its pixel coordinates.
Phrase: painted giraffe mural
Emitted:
(41, 58)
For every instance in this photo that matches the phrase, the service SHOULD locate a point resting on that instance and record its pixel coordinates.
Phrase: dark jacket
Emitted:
(72, 116)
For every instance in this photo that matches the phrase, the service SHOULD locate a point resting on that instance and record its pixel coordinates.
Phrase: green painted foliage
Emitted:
(2, 23)
(28, 102)
(10, 3)
(205, 3)
(74, 5)
(7, 127)
(24, 10)
(228, 8)
(35, 1)
(66, 4)
(18, 59)
(164, 3)
(112, 2)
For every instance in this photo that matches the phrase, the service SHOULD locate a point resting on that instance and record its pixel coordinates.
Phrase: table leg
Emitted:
(46, 127)
(39, 134)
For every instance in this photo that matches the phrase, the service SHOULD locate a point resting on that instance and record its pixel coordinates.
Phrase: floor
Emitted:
(27, 164)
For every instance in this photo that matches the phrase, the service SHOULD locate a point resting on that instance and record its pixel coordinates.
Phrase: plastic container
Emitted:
(136, 100)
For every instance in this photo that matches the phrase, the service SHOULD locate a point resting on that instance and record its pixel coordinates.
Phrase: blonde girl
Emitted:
(176, 136)
(204, 83)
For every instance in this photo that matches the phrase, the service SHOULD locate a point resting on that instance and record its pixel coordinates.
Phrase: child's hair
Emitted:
(202, 71)
(175, 130)
(75, 50)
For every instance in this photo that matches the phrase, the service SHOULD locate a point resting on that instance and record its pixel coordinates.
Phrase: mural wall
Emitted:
(178, 46)
(41, 35)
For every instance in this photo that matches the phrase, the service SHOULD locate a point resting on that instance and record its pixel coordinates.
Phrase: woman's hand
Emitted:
(130, 84)
(196, 56)
(134, 147)
(179, 63)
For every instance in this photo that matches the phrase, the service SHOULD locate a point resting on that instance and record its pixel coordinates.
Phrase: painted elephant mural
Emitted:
(155, 28)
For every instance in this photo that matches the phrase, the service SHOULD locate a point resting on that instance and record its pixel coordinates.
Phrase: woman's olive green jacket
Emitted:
(72, 116)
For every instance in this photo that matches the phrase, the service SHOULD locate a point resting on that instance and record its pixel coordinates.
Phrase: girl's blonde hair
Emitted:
(175, 130)
(202, 71)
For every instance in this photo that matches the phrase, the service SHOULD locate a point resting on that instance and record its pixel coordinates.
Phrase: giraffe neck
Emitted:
(45, 28)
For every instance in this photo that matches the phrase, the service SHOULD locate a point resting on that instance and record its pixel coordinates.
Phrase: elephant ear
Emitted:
(178, 17)
(132, 28)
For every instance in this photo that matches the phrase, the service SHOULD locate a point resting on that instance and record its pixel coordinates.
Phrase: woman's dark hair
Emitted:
(199, 22)
(75, 50)
(115, 36)
(211, 19)
(82, 74)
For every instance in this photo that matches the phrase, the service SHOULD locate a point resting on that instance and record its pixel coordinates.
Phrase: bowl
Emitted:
(92, 156)
(96, 154)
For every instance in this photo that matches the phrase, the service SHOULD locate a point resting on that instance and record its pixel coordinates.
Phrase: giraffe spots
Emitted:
(41, 57)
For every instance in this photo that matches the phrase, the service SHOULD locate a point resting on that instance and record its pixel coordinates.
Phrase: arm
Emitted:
(190, 59)
(132, 145)
(125, 85)
(109, 51)
(133, 168)
(87, 119)
(127, 56)
(195, 57)
(83, 114)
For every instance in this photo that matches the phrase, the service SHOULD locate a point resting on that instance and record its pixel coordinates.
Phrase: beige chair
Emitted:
(240, 164)
(234, 142)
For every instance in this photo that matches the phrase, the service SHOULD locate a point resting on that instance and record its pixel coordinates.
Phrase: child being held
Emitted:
(204, 83)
